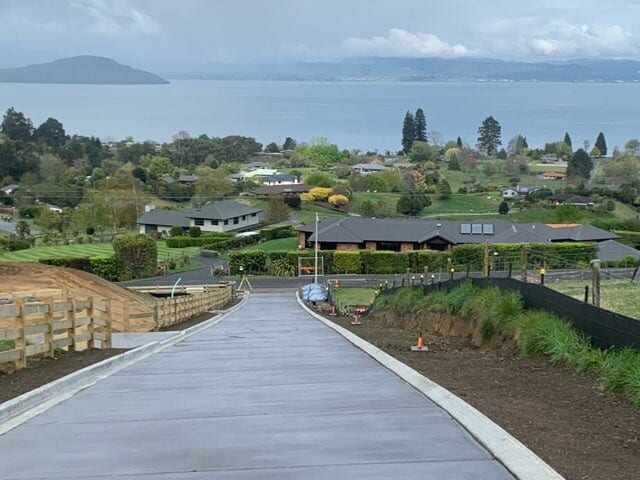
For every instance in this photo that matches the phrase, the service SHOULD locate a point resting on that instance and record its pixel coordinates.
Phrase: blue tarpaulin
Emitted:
(313, 292)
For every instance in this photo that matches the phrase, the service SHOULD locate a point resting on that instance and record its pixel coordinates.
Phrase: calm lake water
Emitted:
(364, 115)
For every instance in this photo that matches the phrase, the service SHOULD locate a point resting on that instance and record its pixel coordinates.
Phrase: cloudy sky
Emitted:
(199, 31)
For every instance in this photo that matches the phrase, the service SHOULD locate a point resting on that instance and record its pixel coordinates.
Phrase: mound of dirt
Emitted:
(30, 277)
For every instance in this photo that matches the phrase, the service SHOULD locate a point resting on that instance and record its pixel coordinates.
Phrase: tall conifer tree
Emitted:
(408, 132)
(421, 126)
(601, 144)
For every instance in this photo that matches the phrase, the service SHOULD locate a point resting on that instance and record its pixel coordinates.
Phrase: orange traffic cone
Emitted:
(419, 347)
(356, 319)
(333, 311)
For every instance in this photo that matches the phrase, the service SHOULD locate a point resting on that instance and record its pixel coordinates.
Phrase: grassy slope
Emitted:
(289, 243)
(85, 250)
(621, 296)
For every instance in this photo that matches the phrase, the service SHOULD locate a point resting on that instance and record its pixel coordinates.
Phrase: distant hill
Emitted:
(427, 69)
(83, 69)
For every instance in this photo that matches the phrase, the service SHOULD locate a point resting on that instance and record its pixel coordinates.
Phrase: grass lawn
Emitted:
(545, 167)
(480, 203)
(86, 250)
(307, 213)
(345, 298)
(289, 243)
(621, 296)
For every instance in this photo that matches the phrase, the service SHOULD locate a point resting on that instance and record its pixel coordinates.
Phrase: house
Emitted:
(354, 233)
(366, 168)
(553, 176)
(282, 190)
(279, 179)
(549, 159)
(224, 216)
(571, 199)
(9, 189)
(518, 190)
(187, 179)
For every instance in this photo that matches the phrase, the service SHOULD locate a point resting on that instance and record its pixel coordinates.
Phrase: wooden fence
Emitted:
(164, 312)
(41, 322)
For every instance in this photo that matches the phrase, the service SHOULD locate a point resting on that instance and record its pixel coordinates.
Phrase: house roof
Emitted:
(368, 166)
(279, 189)
(280, 177)
(554, 174)
(9, 188)
(360, 230)
(524, 189)
(167, 218)
(260, 172)
(188, 178)
(222, 210)
(611, 251)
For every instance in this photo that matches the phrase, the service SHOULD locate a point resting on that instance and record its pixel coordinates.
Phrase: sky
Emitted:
(243, 31)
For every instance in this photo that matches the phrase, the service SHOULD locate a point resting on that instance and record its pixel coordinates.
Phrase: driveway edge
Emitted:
(516, 457)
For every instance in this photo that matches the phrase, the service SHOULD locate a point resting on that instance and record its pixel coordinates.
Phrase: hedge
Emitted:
(106, 267)
(277, 232)
(347, 262)
(253, 262)
(380, 262)
(629, 238)
(184, 241)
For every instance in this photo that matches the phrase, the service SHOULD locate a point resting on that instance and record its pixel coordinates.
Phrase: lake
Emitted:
(363, 115)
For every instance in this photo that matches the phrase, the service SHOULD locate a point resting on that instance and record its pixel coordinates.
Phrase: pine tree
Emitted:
(459, 142)
(601, 144)
(489, 135)
(579, 165)
(420, 122)
(408, 132)
(567, 139)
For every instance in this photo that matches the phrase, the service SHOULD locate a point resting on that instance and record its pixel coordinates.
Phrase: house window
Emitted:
(236, 220)
(244, 217)
(253, 214)
(226, 222)
(214, 222)
(199, 222)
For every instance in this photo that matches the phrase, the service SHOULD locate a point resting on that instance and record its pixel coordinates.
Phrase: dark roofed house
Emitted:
(365, 168)
(282, 190)
(571, 199)
(187, 179)
(224, 216)
(355, 233)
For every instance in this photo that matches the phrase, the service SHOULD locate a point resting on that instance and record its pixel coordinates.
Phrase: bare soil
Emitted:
(566, 418)
(41, 371)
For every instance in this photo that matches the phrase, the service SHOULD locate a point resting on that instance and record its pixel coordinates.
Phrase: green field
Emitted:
(545, 167)
(86, 250)
(289, 243)
(347, 298)
(620, 296)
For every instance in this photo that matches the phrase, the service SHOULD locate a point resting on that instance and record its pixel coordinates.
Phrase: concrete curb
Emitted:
(16, 411)
(517, 458)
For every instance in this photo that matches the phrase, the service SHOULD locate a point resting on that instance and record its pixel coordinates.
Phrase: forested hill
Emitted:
(82, 69)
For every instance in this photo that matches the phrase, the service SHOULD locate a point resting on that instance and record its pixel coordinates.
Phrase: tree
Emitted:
(212, 184)
(412, 203)
(137, 253)
(601, 144)
(443, 189)
(517, 145)
(503, 209)
(16, 126)
(175, 231)
(567, 140)
(489, 135)
(632, 146)
(459, 143)
(51, 133)
(408, 132)
(272, 148)
(421, 152)
(567, 213)
(367, 208)
(289, 144)
(276, 211)
(338, 200)
(420, 123)
(579, 165)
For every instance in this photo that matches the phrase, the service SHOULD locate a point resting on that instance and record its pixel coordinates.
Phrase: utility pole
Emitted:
(485, 260)
(595, 282)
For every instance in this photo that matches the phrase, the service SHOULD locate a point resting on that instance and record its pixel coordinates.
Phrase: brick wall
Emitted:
(347, 246)
(370, 245)
(405, 247)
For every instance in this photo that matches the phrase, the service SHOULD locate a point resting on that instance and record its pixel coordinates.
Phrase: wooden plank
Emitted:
(36, 329)
(133, 316)
(100, 322)
(82, 321)
(102, 336)
(99, 306)
(37, 349)
(31, 308)
(21, 342)
(61, 306)
(10, 356)
(82, 337)
(62, 325)
(9, 311)
(62, 342)
(9, 333)
(82, 305)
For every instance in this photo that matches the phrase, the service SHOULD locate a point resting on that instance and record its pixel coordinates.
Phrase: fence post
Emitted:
(71, 316)
(586, 294)
(107, 314)
(125, 314)
(21, 343)
(486, 268)
(48, 318)
(90, 325)
(595, 278)
(156, 316)
(523, 261)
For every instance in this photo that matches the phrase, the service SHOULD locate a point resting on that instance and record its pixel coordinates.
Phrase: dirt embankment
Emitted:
(17, 278)
(566, 418)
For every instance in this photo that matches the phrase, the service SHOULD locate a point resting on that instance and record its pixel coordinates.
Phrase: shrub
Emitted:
(175, 231)
(252, 262)
(137, 253)
(109, 268)
(346, 262)
(195, 232)
(277, 232)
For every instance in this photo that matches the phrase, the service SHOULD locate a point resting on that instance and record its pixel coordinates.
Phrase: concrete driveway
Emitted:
(269, 393)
